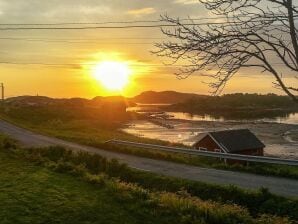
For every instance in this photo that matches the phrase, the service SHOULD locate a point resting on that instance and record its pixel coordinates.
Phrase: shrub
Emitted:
(7, 143)
(258, 202)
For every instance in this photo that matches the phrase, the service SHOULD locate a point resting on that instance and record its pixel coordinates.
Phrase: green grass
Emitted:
(56, 186)
(91, 132)
(32, 194)
(257, 202)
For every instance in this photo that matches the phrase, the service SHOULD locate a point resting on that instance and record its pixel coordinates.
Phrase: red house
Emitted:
(241, 141)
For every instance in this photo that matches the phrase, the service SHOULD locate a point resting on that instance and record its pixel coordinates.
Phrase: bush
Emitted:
(81, 163)
(7, 143)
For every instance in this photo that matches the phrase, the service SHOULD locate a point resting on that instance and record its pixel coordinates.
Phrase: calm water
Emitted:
(187, 132)
(291, 118)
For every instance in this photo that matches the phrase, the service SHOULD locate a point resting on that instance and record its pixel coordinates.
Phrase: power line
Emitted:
(78, 42)
(83, 39)
(120, 27)
(93, 64)
(75, 42)
(131, 21)
(109, 27)
(94, 23)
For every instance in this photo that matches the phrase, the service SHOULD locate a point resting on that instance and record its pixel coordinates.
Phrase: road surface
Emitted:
(281, 186)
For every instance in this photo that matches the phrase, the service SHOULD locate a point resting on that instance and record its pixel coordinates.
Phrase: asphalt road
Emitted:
(281, 186)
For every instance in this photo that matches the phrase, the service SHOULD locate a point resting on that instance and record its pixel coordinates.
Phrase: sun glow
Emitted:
(112, 75)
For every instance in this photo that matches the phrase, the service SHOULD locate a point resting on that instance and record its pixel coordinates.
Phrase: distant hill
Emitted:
(149, 97)
(74, 102)
(113, 99)
(237, 105)
(165, 97)
(106, 111)
(30, 100)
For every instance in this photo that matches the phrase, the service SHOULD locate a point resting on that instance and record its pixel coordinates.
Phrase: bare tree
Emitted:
(248, 33)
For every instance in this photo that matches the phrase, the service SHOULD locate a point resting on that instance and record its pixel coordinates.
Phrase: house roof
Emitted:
(235, 140)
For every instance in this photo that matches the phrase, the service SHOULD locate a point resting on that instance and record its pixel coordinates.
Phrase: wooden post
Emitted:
(2, 92)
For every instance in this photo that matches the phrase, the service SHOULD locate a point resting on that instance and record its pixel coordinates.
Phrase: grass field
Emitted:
(60, 124)
(32, 194)
(56, 186)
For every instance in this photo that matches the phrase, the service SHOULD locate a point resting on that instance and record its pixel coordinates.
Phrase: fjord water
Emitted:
(291, 118)
(283, 117)
(279, 133)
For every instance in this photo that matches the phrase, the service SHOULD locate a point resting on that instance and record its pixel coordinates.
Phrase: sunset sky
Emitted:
(61, 63)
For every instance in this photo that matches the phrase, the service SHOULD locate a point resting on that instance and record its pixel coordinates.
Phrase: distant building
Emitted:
(241, 141)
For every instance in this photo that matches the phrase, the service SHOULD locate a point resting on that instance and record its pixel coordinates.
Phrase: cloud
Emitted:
(187, 2)
(142, 11)
(85, 11)
(1, 8)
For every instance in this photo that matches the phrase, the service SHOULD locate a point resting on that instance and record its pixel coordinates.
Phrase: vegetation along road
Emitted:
(276, 185)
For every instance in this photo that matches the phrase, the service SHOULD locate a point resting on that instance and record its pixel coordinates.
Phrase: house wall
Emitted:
(252, 152)
(207, 143)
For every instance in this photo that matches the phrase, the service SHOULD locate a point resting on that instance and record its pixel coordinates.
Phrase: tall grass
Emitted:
(187, 208)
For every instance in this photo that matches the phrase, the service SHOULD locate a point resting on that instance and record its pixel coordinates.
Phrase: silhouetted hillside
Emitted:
(239, 104)
(30, 100)
(105, 111)
(73, 102)
(113, 99)
(166, 97)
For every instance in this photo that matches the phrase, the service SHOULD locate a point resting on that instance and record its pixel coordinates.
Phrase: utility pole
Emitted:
(2, 92)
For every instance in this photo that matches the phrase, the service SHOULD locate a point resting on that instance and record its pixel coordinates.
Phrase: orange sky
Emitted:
(68, 52)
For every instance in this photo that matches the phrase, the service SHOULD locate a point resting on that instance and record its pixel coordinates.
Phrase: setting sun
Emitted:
(113, 75)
